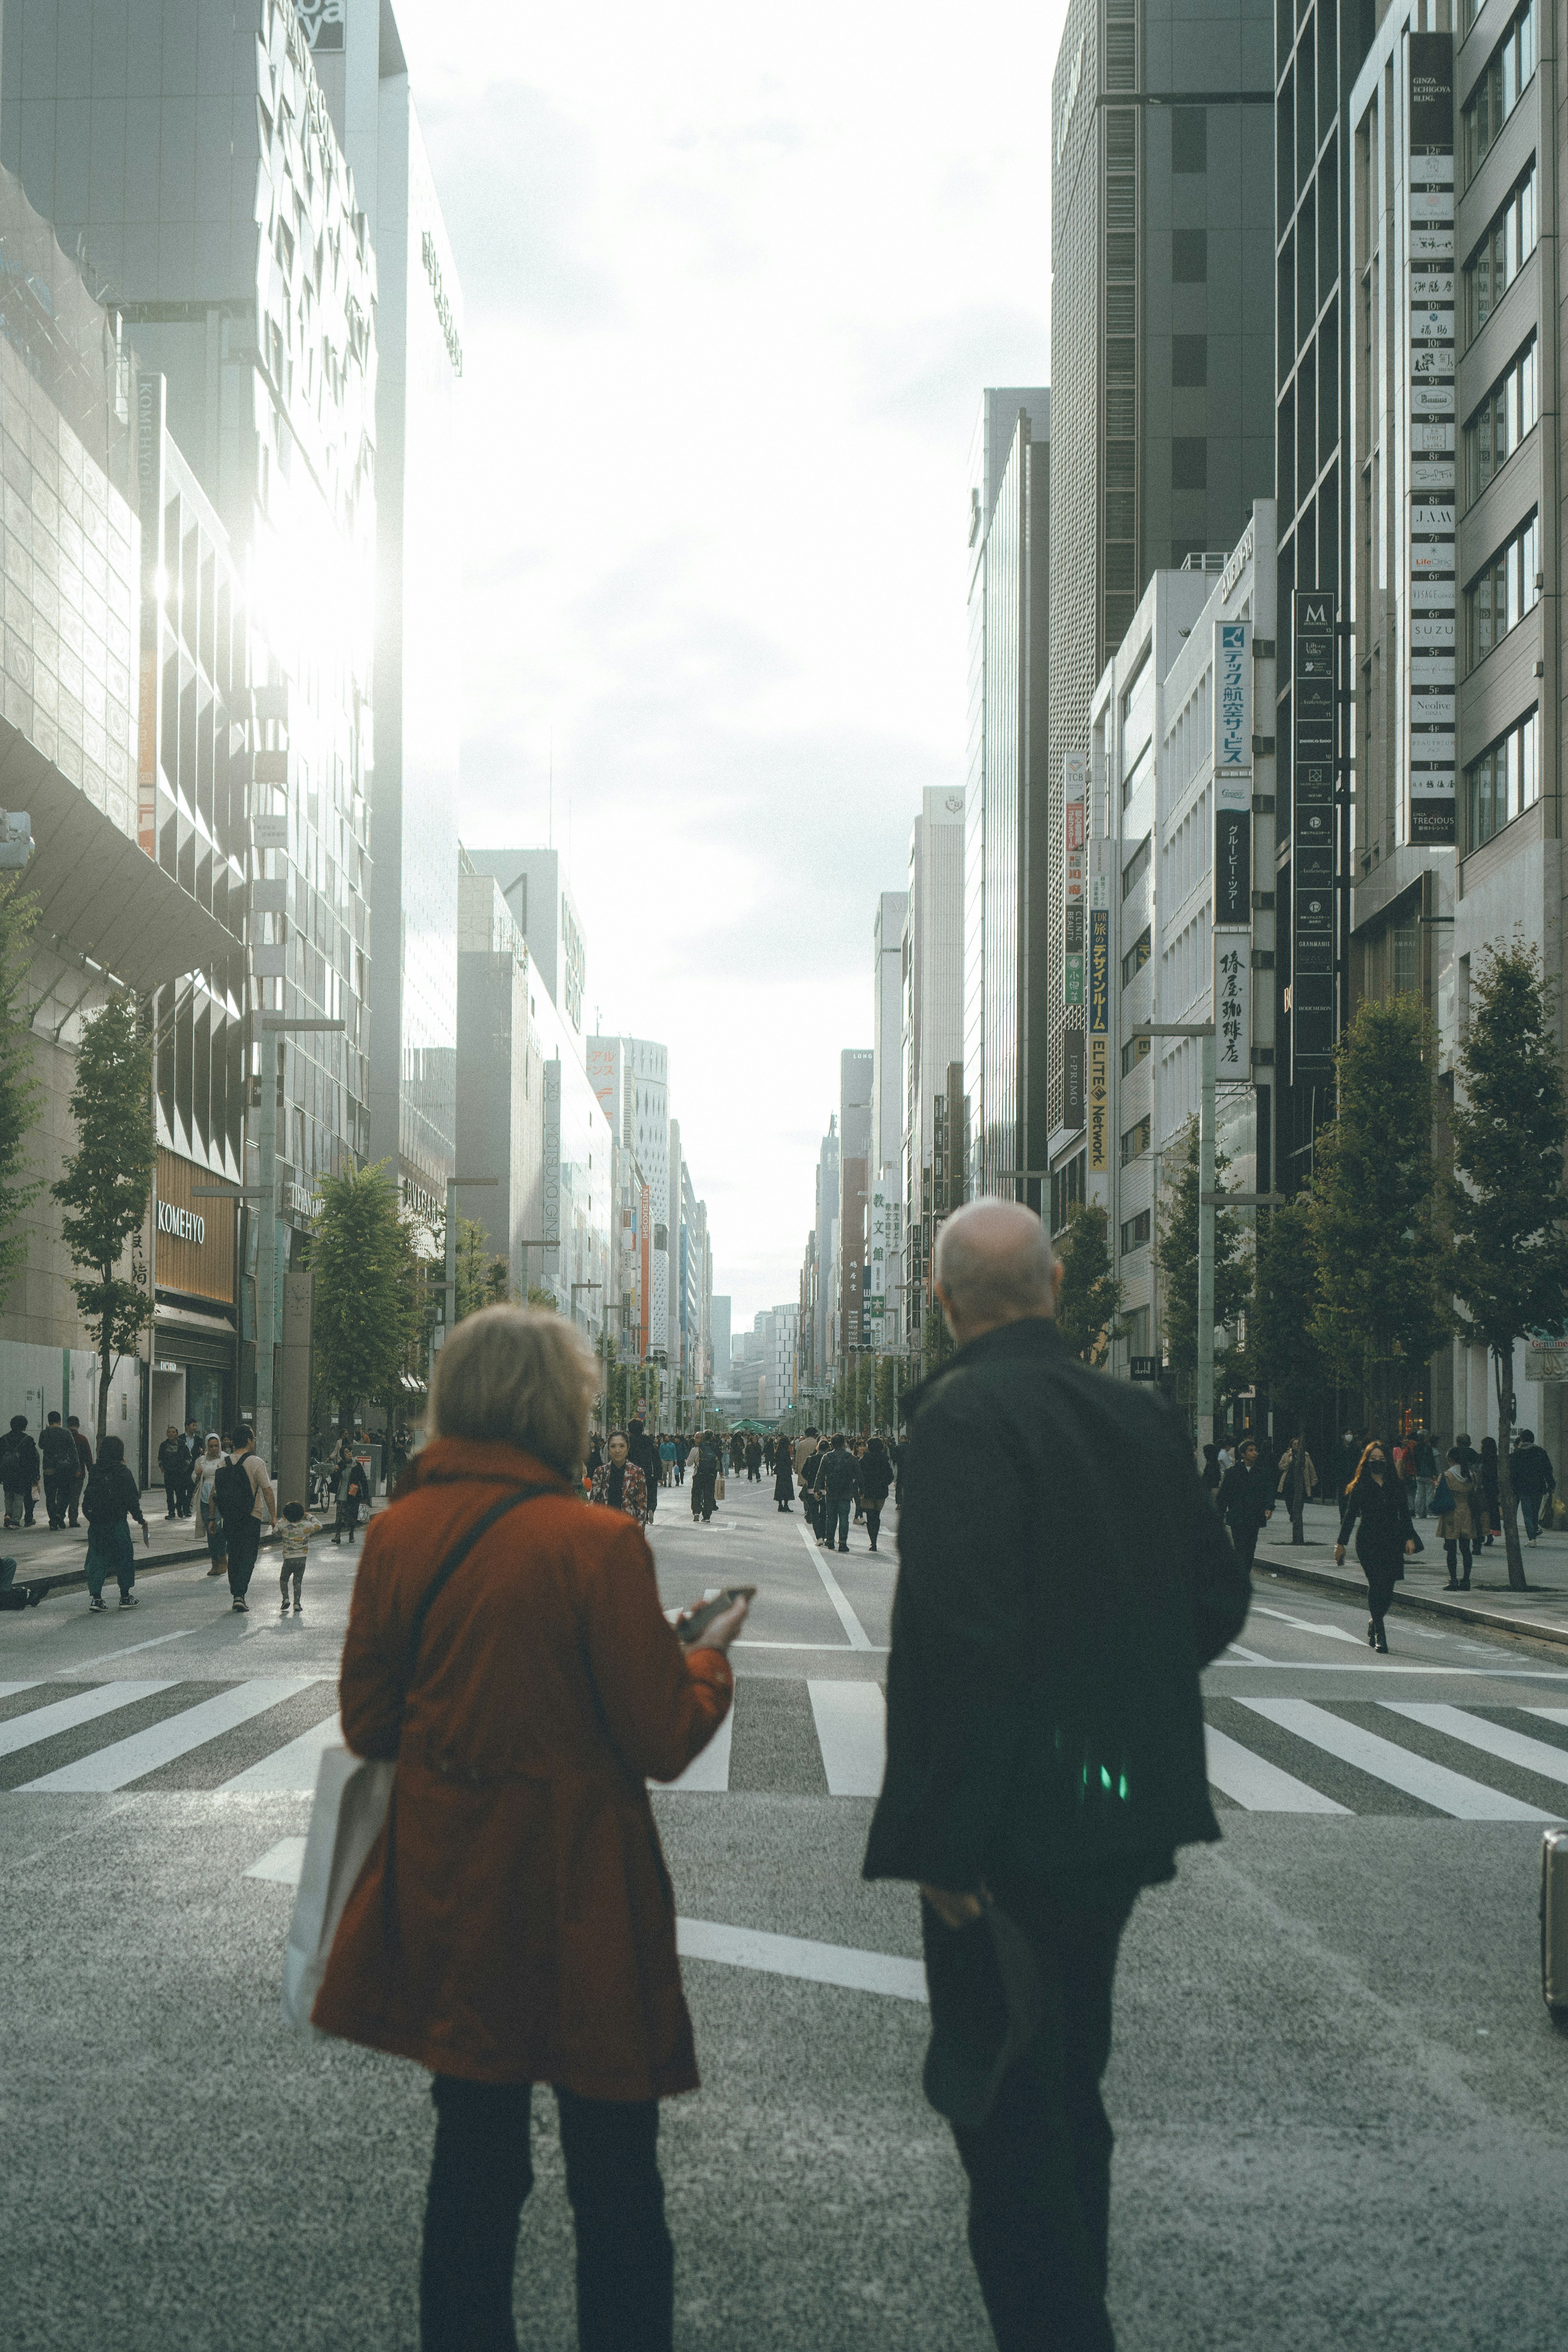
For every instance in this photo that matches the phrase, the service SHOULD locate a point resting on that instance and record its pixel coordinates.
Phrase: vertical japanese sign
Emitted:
(1076, 813)
(551, 1236)
(1099, 1025)
(875, 1306)
(1431, 604)
(1232, 771)
(1232, 694)
(1233, 1008)
(1072, 1080)
(1313, 616)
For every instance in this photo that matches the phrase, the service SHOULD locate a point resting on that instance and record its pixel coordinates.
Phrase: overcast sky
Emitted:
(733, 281)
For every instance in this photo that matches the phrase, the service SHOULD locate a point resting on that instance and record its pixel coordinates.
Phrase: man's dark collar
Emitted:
(1030, 1335)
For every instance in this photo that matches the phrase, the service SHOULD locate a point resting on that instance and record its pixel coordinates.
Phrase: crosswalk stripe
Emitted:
(852, 1732)
(1549, 1714)
(1384, 1760)
(1493, 1738)
(9, 1690)
(66, 1714)
(295, 1767)
(709, 1773)
(859, 1639)
(1254, 1784)
(128, 1759)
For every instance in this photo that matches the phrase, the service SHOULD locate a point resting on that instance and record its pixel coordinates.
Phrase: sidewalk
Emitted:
(1540, 1613)
(50, 1557)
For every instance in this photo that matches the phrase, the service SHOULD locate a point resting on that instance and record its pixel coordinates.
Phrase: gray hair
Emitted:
(517, 1376)
(994, 1263)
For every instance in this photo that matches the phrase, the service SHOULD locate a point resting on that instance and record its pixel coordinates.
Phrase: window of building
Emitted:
(1135, 1332)
(1498, 600)
(1189, 462)
(1189, 256)
(1120, 310)
(1189, 139)
(1134, 959)
(1510, 409)
(1502, 252)
(1067, 1189)
(1137, 865)
(1189, 360)
(1134, 1051)
(1135, 1234)
(1505, 781)
(1507, 71)
(1135, 1142)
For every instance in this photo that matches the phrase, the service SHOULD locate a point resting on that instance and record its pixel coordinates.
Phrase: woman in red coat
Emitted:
(515, 1923)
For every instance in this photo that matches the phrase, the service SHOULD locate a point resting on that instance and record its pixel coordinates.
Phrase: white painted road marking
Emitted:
(281, 1864)
(796, 1956)
(1493, 1738)
(144, 1752)
(65, 1714)
(1434, 1784)
(295, 1767)
(1254, 1784)
(859, 1639)
(709, 1772)
(1308, 1626)
(102, 1657)
(852, 1732)
(9, 1690)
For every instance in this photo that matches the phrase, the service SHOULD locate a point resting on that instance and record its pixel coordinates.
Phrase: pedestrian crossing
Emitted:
(806, 1736)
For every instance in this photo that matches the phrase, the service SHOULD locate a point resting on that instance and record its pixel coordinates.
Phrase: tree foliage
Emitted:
(1089, 1300)
(368, 1305)
(1178, 1228)
(107, 1182)
(1507, 1202)
(20, 1088)
(484, 1279)
(1287, 1360)
(1373, 1214)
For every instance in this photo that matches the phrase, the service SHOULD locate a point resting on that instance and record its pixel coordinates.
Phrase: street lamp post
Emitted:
(1204, 1032)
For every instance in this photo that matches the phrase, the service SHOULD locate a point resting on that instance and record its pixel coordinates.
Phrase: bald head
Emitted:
(993, 1266)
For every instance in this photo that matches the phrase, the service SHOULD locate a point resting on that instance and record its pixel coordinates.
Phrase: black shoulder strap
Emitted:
(454, 1561)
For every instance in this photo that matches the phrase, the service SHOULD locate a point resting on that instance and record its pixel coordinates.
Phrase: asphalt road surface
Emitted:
(1339, 2101)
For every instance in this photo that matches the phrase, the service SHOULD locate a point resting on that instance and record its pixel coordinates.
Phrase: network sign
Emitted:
(1099, 970)
(1232, 694)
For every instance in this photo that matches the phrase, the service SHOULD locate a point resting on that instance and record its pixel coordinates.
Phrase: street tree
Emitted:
(108, 1183)
(1374, 1218)
(1179, 1234)
(1507, 1200)
(484, 1279)
(20, 1088)
(887, 1386)
(1287, 1360)
(364, 1312)
(1089, 1299)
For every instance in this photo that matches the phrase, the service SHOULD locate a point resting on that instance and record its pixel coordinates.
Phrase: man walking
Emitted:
(18, 1471)
(841, 1487)
(1246, 1501)
(244, 1494)
(1045, 1747)
(195, 1445)
(56, 1448)
(1530, 1474)
(642, 1450)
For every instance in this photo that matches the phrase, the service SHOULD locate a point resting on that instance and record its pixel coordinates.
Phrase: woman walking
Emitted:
(1376, 1497)
(1458, 1503)
(783, 1477)
(876, 1477)
(515, 1923)
(209, 1462)
(111, 1494)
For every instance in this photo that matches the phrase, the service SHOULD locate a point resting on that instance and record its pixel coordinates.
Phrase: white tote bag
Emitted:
(351, 1799)
(353, 1795)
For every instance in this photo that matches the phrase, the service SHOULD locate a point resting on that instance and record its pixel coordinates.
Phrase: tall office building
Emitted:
(855, 1071)
(500, 1077)
(534, 885)
(933, 1025)
(1006, 867)
(363, 75)
(1162, 355)
(637, 1071)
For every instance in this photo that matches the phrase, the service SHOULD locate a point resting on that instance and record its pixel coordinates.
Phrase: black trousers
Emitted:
(873, 1522)
(1040, 2166)
(244, 1539)
(60, 1495)
(1244, 1542)
(479, 2179)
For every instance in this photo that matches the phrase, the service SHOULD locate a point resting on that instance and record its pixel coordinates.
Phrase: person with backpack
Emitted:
(58, 1452)
(18, 1471)
(112, 1497)
(244, 1500)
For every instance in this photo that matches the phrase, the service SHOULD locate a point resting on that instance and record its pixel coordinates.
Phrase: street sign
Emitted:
(1146, 1368)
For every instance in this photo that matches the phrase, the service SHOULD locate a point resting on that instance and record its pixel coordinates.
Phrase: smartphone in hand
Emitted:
(691, 1629)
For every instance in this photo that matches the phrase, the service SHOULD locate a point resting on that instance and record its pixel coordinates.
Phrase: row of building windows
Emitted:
(1507, 589)
(1503, 251)
(1134, 959)
(1136, 1139)
(1184, 963)
(1188, 851)
(1496, 93)
(1508, 413)
(1505, 781)
(1187, 742)
(1137, 865)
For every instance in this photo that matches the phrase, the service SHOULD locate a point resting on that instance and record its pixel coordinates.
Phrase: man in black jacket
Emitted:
(1045, 1747)
(1246, 1500)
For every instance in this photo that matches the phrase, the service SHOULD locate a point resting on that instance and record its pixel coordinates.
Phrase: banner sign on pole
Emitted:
(1099, 1020)
(1233, 1007)
(1232, 695)
(1432, 338)
(1075, 817)
(1313, 618)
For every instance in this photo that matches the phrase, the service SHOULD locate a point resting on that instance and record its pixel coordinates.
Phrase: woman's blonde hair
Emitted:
(517, 1376)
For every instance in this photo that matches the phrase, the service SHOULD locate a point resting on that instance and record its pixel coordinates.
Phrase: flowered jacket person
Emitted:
(619, 1482)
